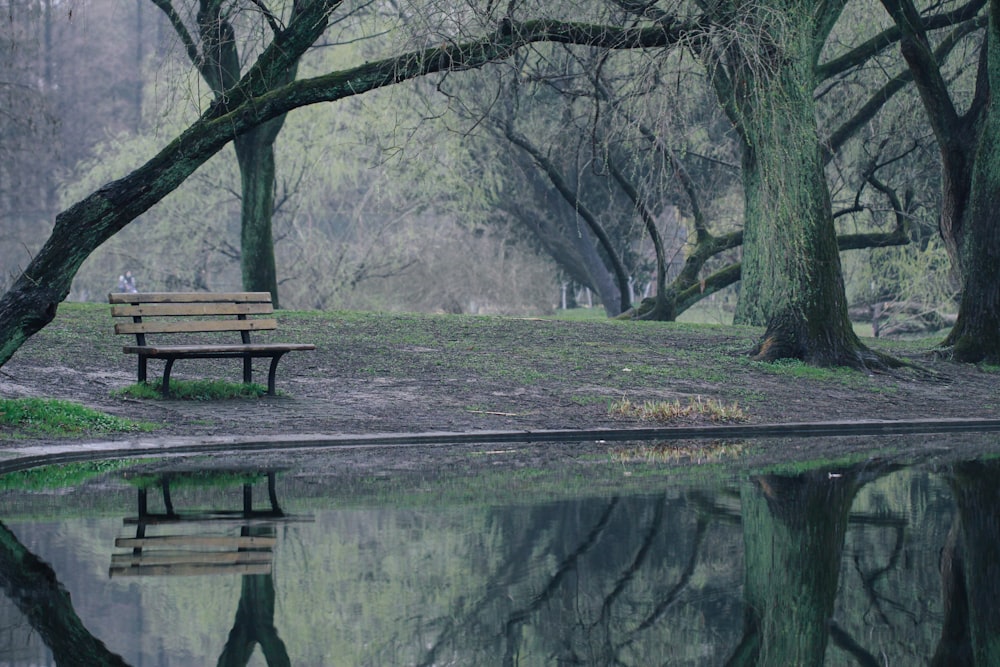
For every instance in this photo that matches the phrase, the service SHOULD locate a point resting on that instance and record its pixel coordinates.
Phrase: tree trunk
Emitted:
(255, 155)
(32, 586)
(970, 149)
(791, 273)
(976, 335)
(977, 494)
(793, 532)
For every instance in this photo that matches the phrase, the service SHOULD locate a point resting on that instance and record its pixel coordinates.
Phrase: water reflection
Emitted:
(867, 564)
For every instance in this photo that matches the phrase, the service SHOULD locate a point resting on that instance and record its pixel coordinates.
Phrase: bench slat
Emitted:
(189, 297)
(191, 309)
(186, 557)
(189, 570)
(199, 541)
(195, 326)
(208, 350)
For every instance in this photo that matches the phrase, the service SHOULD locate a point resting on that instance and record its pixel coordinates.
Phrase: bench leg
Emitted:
(142, 368)
(270, 373)
(165, 389)
(247, 370)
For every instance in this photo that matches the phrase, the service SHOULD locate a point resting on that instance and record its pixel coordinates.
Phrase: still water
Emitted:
(181, 562)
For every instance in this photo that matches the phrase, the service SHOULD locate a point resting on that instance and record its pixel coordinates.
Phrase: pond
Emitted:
(258, 560)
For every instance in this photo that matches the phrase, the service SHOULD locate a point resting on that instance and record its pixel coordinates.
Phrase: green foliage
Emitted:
(799, 369)
(913, 282)
(31, 417)
(194, 390)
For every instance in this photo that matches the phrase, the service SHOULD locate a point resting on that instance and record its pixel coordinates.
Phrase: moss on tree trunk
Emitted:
(791, 274)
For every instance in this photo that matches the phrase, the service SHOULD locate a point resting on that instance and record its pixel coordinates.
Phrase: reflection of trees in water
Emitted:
(793, 532)
(970, 569)
(593, 582)
(32, 585)
(254, 624)
(620, 581)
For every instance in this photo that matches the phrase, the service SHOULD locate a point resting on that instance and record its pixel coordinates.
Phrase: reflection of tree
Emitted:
(793, 533)
(970, 569)
(254, 625)
(32, 585)
(614, 570)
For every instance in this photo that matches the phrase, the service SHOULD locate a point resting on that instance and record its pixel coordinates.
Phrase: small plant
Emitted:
(672, 411)
(193, 390)
(28, 417)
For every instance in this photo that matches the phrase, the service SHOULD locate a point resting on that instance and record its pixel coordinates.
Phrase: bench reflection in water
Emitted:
(200, 541)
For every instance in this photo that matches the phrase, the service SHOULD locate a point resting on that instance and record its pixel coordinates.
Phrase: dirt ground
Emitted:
(385, 373)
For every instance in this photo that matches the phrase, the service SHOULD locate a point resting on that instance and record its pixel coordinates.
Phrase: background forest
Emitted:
(481, 191)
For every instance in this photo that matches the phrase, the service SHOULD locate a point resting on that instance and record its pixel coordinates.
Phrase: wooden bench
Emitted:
(199, 312)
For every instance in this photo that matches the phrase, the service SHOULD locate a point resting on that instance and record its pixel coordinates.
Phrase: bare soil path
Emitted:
(391, 373)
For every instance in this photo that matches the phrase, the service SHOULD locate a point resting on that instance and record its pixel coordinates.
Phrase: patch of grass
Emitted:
(588, 400)
(32, 417)
(59, 476)
(713, 451)
(842, 375)
(193, 390)
(220, 479)
(672, 411)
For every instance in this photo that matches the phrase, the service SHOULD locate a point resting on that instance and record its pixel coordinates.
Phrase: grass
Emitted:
(715, 451)
(32, 417)
(666, 412)
(60, 476)
(193, 390)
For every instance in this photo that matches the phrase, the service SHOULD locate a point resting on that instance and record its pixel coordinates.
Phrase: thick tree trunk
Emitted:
(793, 532)
(791, 273)
(255, 154)
(976, 335)
(977, 494)
(970, 150)
(33, 587)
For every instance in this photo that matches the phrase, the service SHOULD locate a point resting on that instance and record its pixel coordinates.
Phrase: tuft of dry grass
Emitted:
(666, 412)
(713, 451)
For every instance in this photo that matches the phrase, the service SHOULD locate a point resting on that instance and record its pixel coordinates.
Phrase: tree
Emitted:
(793, 532)
(32, 585)
(764, 71)
(969, 142)
(218, 62)
(970, 580)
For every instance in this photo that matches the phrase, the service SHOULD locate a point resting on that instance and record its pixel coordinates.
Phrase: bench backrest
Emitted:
(191, 312)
